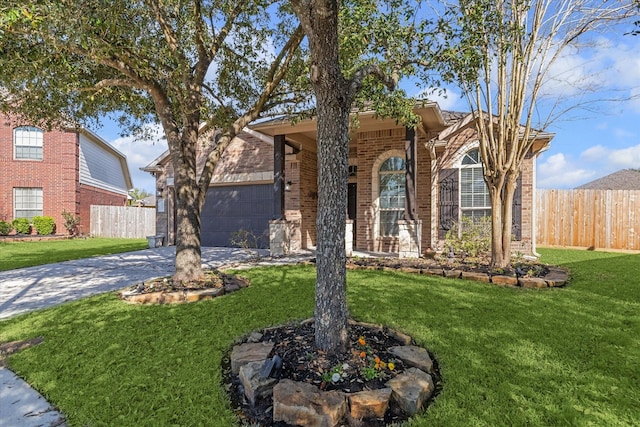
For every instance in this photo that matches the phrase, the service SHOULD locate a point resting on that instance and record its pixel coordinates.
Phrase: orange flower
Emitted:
(363, 354)
(361, 341)
(377, 360)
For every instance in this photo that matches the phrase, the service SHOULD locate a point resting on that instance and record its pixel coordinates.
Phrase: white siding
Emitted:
(101, 168)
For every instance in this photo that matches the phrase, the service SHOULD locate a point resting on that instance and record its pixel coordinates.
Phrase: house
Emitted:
(624, 179)
(267, 180)
(46, 172)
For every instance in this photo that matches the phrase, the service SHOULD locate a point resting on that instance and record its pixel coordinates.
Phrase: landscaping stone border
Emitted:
(557, 277)
(304, 404)
(134, 296)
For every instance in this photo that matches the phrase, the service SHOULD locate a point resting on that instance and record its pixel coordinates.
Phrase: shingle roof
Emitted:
(624, 179)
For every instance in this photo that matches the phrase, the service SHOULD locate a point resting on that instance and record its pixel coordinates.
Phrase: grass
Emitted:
(508, 356)
(28, 254)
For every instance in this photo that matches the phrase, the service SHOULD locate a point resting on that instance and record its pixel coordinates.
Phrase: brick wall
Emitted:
(455, 149)
(95, 196)
(308, 196)
(57, 173)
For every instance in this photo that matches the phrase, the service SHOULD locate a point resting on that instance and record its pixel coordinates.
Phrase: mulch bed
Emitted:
(210, 279)
(295, 344)
(480, 265)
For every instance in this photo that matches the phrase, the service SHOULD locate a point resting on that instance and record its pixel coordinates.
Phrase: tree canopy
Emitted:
(190, 66)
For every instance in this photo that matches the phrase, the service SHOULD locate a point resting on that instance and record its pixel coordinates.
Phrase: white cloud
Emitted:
(626, 157)
(562, 171)
(559, 172)
(447, 99)
(594, 153)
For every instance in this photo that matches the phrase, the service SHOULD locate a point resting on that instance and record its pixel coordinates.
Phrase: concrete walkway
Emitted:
(27, 289)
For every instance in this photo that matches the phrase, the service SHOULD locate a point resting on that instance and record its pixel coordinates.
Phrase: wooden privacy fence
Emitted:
(122, 221)
(607, 219)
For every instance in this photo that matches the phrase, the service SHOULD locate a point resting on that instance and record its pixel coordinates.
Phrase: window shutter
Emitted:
(516, 229)
(447, 201)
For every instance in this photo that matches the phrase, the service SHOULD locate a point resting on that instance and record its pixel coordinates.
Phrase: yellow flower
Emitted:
(361, 341)
(391, 366)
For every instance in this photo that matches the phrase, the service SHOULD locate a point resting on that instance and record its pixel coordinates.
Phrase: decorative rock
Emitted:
(411, 390)
(403, 339)
(305, 405)
(431, 272)
(556, 277)
(532, 282)
(249, 352)
(409, 270)
(255, 386)
(414, 356)
(478, 277)
(370, 404)
(203, 294)
(254, 337)
(455, 274)
(504, 280)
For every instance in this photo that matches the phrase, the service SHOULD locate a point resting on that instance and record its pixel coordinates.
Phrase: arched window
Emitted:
(392, 193)
(475, 202)
(28, 142)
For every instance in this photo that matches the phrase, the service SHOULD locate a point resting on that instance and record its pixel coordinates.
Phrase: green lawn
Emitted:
(27, 254)
(507, 356)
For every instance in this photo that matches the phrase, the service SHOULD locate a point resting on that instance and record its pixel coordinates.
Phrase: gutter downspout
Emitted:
(534, 212)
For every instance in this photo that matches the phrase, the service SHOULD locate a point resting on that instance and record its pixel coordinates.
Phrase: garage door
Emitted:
(230, 209)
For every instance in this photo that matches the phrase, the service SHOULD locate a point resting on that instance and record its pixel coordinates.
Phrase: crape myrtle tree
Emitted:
(189, 65)
(502, 53)
(346, 66)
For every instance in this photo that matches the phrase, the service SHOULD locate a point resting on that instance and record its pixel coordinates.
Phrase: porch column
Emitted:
(279, 236)
(278, 176)
(410, 149)
(410, 229)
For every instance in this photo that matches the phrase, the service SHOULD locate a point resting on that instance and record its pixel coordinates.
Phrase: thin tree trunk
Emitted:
(496, 226)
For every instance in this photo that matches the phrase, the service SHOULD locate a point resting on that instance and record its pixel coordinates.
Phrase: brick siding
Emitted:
(57, 174)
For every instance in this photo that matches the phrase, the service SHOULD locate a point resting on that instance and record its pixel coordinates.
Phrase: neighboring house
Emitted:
(46, 172)
(440, 162)
(624, 179)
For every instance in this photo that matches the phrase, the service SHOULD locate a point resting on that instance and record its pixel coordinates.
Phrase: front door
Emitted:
(352, 199)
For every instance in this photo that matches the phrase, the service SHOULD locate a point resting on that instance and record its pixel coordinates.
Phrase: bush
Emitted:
(44, 224)
(71, 222)
(5, 228)
(21, 225)
(469, 237)
(246, 239)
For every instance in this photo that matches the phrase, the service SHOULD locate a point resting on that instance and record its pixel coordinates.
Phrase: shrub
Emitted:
(21, 225)
(5, 228)
(469, 237)
(44, 224)
(71, 222)
(246, 239)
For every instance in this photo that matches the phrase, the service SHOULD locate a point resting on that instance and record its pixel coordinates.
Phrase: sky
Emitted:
(588, 144)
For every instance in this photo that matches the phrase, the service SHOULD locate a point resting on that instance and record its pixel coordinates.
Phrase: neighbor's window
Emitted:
(27, 202)
(28, 142)
(475, 202)
(392, 193)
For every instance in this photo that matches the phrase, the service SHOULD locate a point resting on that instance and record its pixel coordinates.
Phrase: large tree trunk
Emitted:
(331, 292)
(333, 105)
(189, 203)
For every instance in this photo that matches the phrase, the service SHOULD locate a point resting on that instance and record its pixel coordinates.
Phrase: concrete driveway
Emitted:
(32, 288)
